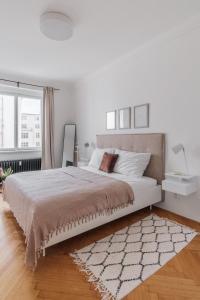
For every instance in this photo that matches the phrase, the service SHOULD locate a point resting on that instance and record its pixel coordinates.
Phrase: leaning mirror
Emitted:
(111, 120)
(125, 118)
(68, 145)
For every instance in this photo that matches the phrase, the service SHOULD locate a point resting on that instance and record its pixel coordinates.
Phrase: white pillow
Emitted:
(97, 156)
(131, 163)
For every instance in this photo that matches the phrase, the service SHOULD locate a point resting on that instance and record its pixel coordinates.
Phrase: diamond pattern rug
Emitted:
(121, 261)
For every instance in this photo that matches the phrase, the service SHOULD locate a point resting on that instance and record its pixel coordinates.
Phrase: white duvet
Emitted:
(134, 182)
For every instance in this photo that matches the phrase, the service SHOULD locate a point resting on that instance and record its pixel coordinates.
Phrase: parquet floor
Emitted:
(57, 278)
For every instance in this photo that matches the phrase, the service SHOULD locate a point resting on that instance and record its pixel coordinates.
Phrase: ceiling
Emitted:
(104, 30)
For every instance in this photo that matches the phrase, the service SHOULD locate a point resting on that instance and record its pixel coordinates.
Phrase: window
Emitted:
(24, 135)
(25, 112)
(24, 144)
(7, 132)
(31, 108)
(24, 126)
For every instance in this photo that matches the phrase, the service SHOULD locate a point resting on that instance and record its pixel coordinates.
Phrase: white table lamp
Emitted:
(178, 148)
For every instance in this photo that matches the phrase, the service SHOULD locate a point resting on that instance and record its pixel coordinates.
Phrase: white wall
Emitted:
(165, 73)
(64, 112)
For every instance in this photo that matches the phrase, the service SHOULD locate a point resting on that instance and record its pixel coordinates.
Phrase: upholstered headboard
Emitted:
(153, 143)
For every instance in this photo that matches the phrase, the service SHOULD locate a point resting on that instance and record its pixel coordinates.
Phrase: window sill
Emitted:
(20, 151)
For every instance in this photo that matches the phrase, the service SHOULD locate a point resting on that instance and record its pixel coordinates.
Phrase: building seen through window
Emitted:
(26, 132)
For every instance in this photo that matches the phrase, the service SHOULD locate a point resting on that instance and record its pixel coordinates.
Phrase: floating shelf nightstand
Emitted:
(180, 184)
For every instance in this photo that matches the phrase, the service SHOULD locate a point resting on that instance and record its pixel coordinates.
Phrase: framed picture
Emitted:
(141, 116)
(111, 120)
(125, 118)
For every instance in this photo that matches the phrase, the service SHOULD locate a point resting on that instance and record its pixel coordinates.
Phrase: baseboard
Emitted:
(187, 221)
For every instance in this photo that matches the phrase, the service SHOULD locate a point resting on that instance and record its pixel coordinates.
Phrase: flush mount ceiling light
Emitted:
(56, 26)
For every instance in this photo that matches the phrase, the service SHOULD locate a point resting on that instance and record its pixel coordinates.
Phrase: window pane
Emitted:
(29, 122)
(6, 121)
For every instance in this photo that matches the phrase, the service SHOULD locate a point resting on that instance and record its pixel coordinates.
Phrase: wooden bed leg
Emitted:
(150, 207)
(43, 252)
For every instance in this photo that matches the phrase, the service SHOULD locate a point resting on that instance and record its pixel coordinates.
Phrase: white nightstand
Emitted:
(180, 184)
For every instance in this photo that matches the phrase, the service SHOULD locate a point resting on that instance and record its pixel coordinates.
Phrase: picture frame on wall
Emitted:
(111, 120)
(125, 118)
(141, 116)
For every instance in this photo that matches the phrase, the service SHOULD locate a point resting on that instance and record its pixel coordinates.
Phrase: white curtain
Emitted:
(48, 159)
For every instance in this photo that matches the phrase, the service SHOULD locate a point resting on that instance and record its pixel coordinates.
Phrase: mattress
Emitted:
(138, 184)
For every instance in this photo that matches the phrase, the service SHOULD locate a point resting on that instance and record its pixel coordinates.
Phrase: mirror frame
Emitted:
(66, 162)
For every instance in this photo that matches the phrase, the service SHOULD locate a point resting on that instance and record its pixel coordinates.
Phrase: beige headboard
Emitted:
(153, 143)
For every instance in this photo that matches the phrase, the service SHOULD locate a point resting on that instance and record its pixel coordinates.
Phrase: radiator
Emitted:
(22, 165)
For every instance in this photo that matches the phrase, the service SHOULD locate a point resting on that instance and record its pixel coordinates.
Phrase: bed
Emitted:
(147, 190)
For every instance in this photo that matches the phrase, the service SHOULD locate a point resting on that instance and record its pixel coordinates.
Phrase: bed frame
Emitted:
(153, 143)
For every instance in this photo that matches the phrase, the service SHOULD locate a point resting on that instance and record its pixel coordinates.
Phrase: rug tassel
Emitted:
(98, 285)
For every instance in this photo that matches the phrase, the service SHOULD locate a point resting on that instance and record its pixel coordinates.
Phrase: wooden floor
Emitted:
(57, 278)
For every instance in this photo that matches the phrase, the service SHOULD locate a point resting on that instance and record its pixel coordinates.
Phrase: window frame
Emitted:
(16, 131)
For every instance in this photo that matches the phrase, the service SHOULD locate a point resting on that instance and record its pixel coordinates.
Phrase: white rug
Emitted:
(120, 262)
